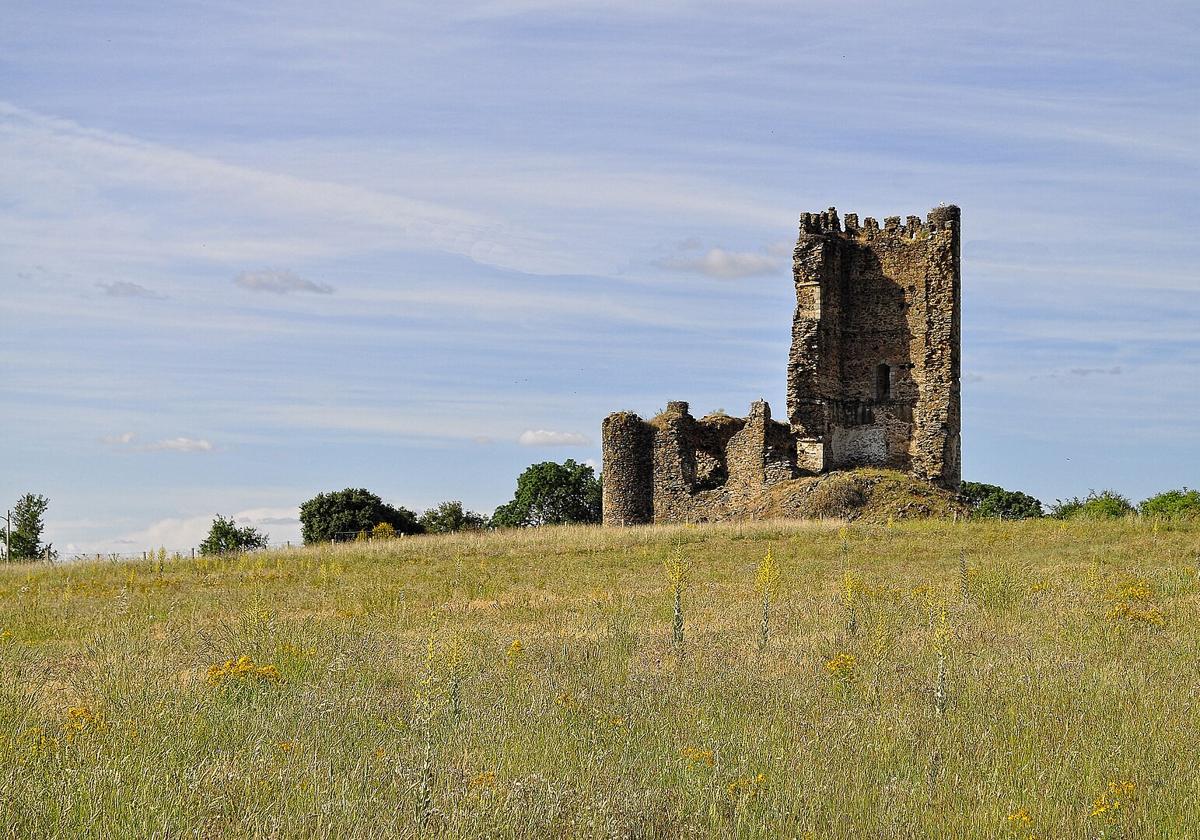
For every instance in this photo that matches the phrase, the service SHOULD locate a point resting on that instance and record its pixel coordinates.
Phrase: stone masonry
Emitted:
(872, 380)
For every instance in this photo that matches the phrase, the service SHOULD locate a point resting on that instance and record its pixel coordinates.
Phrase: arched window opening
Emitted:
(883, 383)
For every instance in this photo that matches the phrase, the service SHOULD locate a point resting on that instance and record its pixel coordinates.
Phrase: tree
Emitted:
(1172, 504)
(330, 516)
(1107, 504)
(225, 537)
(450, 516)
(552, 494)
(27, 525)
(991, 501)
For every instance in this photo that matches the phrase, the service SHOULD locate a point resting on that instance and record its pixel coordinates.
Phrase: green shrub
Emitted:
(991, 501)
(1172, 504)
(332, 516)
(449, 517)
(1107, 504)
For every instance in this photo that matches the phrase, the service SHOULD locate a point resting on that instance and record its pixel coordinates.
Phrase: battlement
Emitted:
(944, 218)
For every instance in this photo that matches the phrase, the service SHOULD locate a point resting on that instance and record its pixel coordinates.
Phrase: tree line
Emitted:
(549, 493)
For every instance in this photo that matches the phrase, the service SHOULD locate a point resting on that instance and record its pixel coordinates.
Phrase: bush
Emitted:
(552, 494)
(330, 516)
(225, 537)
(383, 531)
(991, 501)
(1107, 504)
(1172, 504)
(450, 516)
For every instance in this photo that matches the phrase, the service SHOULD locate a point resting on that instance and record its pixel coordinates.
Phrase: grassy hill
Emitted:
(525, 684)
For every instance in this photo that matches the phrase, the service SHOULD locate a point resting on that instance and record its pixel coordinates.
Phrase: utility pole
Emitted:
(8, 536)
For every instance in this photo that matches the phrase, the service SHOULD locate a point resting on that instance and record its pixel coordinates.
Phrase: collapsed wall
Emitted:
(872, 380)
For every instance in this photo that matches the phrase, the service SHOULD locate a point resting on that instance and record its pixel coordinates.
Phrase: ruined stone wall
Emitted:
(872, 380)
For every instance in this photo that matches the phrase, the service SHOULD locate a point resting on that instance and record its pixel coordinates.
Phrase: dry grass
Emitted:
(383, 692)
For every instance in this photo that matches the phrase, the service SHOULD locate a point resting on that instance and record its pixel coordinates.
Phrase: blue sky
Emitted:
(257, 251)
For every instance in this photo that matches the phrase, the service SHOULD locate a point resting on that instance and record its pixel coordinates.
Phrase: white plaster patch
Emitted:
(860, 446)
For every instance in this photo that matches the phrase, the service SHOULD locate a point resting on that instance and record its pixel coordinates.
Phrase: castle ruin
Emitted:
(872, 380)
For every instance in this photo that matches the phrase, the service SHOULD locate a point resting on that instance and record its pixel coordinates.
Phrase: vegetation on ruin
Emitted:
(980, 680)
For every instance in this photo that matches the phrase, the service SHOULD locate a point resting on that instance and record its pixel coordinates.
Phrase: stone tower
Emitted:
(872, 380)
(873, 373)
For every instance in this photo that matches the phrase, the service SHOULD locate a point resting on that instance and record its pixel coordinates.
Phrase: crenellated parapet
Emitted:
(940, 219)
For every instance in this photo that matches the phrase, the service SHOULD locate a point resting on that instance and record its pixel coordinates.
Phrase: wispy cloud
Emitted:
(279, 282)
(180, 444)
(1115, 370)
(175, 444)
(725, 265)
(545, 437)
(125, 289)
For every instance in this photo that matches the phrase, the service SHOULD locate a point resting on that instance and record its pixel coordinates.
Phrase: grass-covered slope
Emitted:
(864, 495)
(526, 685)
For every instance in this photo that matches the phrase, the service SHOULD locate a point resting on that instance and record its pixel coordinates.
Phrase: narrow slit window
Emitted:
(883, 383)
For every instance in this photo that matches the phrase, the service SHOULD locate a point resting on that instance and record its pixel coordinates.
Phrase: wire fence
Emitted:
(52, 556)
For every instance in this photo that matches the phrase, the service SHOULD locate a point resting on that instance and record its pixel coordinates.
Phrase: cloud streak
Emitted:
(545, 437)
(128, 440)
(125, 289)
(725, 265)
(279, 282)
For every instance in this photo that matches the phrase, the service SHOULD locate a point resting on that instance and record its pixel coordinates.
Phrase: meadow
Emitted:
(1025, 680)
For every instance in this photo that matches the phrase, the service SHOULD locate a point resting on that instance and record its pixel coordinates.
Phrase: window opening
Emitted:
(883, 383)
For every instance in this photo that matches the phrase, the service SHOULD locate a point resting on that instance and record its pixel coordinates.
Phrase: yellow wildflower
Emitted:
(241, 670)
(484, 779)
(842, 666)
(1019, 819)
(767, 578)
(748, 786)
(515, 652)
(1110, 804)
(697, 757)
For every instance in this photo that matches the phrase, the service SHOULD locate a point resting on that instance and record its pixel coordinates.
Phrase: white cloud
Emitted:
(544, 437)
(726, 265)
(268, 516)
(125, 289)
(175, 444)
(182, 533)
(180, 444)
(279, 282)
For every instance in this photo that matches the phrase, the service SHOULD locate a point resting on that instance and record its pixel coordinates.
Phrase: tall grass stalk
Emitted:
(677, 573)
(766, 580)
